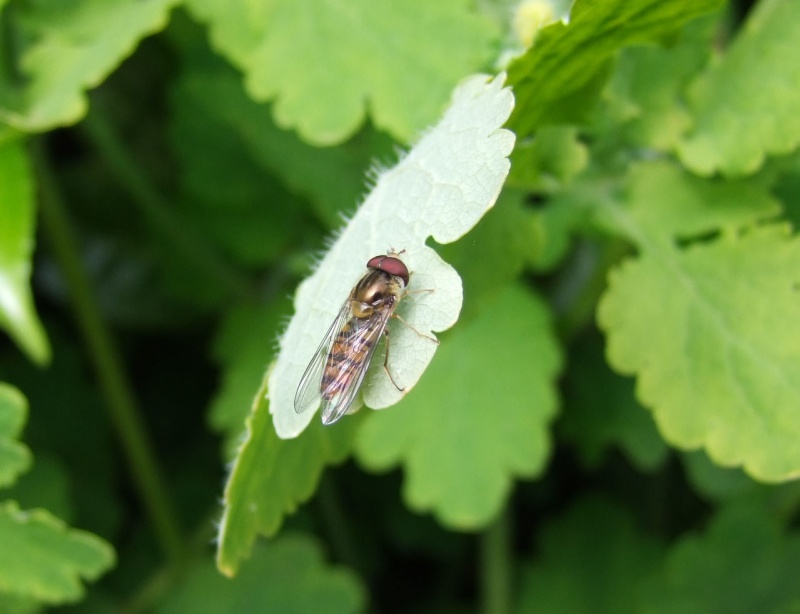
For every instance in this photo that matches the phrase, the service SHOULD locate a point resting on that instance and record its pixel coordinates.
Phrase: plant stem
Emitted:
(114, 385)
(495, 562)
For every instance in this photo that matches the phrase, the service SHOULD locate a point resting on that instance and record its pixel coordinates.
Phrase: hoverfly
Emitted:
(337, 370)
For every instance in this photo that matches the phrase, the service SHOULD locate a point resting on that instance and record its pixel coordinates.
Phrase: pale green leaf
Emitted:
(284, 576)
(440, 189)
(17, 230)
(70, 47)
(593, 559)
(743, 563)
(324, 64)
(15, 458)
(736, 124)
(479, 418)
(560, 77)
(711, 330)
(44, 559)
(270, 478)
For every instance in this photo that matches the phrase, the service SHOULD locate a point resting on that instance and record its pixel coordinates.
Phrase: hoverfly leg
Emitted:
(386, 362)
(394, 315)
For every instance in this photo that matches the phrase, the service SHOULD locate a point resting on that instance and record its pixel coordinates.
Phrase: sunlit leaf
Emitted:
(440, 189)
(711, 329)
(17, 228)
(324, 66)
(560, 77)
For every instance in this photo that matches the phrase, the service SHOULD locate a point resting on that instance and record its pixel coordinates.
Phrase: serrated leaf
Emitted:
(711, 331)
(593, 421)
(44, 559)
(15, 458)
(287, 575)
(211, 104)
(735, 124)
(68, 48)
(270, 478)
(323, 66)
(479, 419)
(560, 78)
(440, 189)
(17, 230)
(593, 559)
(743, 563)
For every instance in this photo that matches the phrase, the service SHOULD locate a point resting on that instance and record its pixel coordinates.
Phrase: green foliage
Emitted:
(301, 56)
(609, 421)
(285, 575)
(462, 445)
(42, 560)
(17, 315)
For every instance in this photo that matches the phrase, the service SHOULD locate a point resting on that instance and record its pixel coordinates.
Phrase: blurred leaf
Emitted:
(44, 559)
(720, 365)
(46, 485)
(560, 77)
(17, 228)
(242, 346)
(600, 410)
(323, 66)
(742, 563)
(11, 604)
(736, 125)
(494, 253)
(68, 47)
(592, 559)
(552, 157)
(218, 124)
(15, 458)
(440, 189)
(271, 477)
(285, 576)
(479, 418)
(645, 95)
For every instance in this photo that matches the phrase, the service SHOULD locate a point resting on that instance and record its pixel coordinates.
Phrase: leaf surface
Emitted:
(737, 125)
(286, 575)
(560, 77)
(479, 419)
(710, 330)
(17, 235)
(270, 478)
(44, 559)
(324, 66)
(70, 47)
(15, 458)
(440, 189)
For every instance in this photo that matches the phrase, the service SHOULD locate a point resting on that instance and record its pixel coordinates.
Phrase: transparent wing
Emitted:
(308, 391)
(342, 390)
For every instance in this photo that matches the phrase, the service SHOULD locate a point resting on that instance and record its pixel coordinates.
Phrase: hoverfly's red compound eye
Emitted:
(391, 265)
